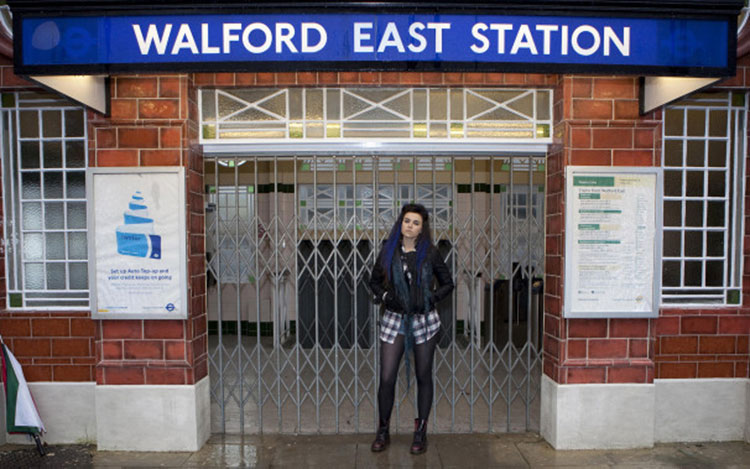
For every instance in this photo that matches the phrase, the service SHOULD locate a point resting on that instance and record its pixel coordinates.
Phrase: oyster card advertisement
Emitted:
(137, 243)
(613, 248)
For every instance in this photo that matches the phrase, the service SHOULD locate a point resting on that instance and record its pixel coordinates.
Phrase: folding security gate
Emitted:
(290, 242)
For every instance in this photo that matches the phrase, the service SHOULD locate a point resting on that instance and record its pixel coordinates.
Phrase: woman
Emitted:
(402, 280)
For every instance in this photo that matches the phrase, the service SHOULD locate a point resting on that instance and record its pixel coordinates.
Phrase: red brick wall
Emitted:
(153, 122)
(373, 78)
(710, 342)
(597, 124)
(150, 125)
(51, 346)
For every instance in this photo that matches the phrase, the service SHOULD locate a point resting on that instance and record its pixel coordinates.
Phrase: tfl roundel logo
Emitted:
(170, 307)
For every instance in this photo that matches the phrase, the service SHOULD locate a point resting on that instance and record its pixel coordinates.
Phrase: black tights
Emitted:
(390, 357)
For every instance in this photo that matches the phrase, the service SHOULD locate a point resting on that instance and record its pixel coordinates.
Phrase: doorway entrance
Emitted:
(293, 335)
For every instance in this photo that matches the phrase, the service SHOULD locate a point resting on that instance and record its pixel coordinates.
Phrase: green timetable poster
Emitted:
(613, 242)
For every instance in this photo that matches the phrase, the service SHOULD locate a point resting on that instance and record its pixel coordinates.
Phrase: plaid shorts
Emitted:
(425, 326)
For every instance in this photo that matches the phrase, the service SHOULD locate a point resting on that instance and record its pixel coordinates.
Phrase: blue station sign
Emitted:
(554, 44)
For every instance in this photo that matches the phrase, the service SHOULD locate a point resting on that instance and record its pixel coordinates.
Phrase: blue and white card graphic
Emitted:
(136, 236)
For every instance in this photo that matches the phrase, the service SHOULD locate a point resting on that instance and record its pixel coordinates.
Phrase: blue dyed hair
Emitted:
(424, 240)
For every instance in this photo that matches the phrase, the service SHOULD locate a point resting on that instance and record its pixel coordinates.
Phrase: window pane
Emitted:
(33, 246)
(717, 153)
(693, 213)
(55, 246)
(671, 274)
(715, 214)
(419, 104)
(32, 215)
(672, 244)
(696, 153)
(33, 276)
(77, 247)
(75, 154)
(542, 105)
(77, 215)
(76, 185)
(696, 124)
(314, 105)
(56, 276)
(717, 126)
(673, 122)
(673, 153)
(333, 103)
(29, 155)
(694, 184)
(714, 273)
(457, 105)
(673, 183)
(53, 216)
(53, 155)
(716, 183)
(694, 243)
(438, 105)
(31, 187)
(29, 124)
(208, 111)
(672, 213)
(52, 124)
(693, 273)
(53, 185)
(79, 276)
(74, 123)
(715, 244)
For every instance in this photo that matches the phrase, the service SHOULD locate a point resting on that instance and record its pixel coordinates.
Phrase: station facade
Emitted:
(292, 171)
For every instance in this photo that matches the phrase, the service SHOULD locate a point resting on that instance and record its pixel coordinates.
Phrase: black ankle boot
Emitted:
(419, 445)
(382, 437)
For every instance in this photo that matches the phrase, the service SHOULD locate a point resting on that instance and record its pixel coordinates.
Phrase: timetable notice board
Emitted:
(613, 242)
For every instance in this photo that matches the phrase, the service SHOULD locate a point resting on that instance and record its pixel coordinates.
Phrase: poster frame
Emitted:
(91, 175)
(570, 261)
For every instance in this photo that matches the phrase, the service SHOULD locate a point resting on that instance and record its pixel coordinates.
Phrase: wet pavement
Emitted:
(353, 451)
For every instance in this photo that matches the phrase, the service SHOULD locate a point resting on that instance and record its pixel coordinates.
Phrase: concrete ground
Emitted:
(353, 451)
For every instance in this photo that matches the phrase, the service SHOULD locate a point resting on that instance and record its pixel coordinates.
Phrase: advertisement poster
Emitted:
(137, 244)
(613, 242)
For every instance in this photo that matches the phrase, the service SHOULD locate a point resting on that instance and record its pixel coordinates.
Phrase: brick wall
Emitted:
(709, 342)
(373, 79)
(597, 124)
(51, 346)
(150, 125)
(153, 122)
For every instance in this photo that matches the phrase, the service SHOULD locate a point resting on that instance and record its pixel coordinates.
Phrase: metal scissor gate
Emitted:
(293, 336)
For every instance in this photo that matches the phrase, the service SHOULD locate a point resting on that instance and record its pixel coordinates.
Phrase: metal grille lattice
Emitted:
(293, 343)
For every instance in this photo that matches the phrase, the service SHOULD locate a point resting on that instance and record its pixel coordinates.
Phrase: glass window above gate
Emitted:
(518, 115)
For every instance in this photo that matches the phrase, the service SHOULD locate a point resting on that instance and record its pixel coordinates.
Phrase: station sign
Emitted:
(320, 41)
